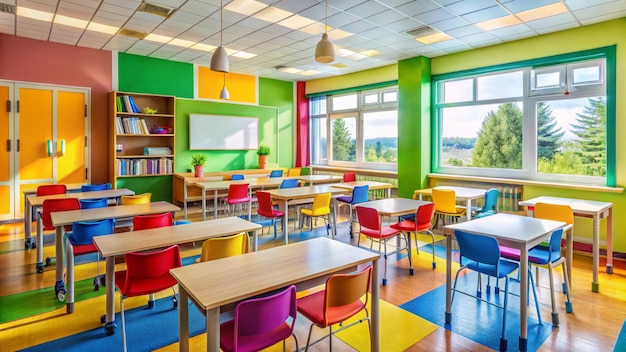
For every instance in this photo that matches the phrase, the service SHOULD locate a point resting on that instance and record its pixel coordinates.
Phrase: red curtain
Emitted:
(302, 126)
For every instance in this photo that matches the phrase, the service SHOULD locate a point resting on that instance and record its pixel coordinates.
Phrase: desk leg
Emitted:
(69, 297)
(255, 240)
(523, 298)
(375, 340)
(286, 221)
(39, 262)
(569, 254)
(203, 205)
(250, 204)
(109, 327)
(28, 223)
(184, 200)
(448, 318)
(595, 285)
(183, 319)
(213, 330)
(389, 192)
(609, 241)
(59, 253)
(333, 232)
(468, 210)
(215, 204)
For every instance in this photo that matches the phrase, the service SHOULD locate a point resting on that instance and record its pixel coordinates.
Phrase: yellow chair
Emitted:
(558, 212)
(320, 208)
(294, 172)
(445, 205)
(137, 199)
(222, 247)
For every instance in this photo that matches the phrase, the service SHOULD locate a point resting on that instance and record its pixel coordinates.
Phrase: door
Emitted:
(7, 205)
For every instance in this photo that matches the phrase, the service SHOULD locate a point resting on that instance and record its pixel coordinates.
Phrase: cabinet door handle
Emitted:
(8, 145)
(18, 145)
(8, 106)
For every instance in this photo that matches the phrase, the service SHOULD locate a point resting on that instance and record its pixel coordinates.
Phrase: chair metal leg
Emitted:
(123, 322)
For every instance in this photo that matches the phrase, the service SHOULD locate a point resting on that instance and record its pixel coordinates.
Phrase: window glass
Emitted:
(319, 137)
(389, 97)
(380, 136)
(587, 75)
(345, 102)
(370, 98)
(505, 85)
(458, 91)
(548, 80)
(343, 132)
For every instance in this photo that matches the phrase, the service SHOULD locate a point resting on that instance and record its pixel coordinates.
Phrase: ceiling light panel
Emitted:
(69, 21)
(500, 22)
(34, 14)
(245, 7)
(542, 12)
(272, 14)
(296, 22)
(102, 28)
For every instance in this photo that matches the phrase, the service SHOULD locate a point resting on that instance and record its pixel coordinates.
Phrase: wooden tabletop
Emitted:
(220, 282)
(121, 211)
(133, 241)
(253, 183)
(460, 192)
(320, 178)
(109, 193)
(68, 187)
(394, 206)
(305, 192)
(370, 184)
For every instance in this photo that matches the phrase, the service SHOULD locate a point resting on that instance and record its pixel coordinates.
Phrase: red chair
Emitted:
(237, 194)
(266, 209)
(424, 223)
(144, 222)
(50, 206)
(47, 190)
(261, 322)
(349, 177)
(371, 227)
(147, 273)
(340, 300)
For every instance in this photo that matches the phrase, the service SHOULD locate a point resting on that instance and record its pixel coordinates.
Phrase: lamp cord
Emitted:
(326, 19)
(222, 23)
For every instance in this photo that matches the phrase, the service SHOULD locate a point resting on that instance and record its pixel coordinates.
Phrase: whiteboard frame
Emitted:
(223, 125)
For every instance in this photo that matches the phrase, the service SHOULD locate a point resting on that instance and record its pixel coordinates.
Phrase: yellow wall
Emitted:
(356, 79)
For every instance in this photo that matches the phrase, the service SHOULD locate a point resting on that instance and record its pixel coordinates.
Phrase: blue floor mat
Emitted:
(480, 321)
(620, 344)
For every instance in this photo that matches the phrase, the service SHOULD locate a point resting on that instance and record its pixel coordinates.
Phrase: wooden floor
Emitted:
(594, 325)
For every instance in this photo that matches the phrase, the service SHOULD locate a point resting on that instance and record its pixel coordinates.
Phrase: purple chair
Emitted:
(261, 322)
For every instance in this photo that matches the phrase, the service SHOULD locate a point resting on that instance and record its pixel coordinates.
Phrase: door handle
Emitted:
(8, 145)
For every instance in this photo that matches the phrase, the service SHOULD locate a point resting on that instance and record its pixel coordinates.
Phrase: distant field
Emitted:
(462, 154)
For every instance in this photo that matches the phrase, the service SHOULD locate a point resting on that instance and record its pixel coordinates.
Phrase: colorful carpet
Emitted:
(620, 344)
(480, 321)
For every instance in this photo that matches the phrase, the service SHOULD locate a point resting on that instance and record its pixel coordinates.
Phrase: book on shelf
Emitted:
(151, 151)
(119, 103)
(138, 167)
(133, 105)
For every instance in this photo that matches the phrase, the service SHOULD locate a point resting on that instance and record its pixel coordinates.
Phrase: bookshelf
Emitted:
(142, 143)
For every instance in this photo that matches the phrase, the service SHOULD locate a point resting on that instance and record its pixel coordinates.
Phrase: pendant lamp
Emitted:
(219, 60)
(224, 94)
(325, 51)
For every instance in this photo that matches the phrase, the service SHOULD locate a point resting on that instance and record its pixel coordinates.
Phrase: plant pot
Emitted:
(262, 161)
(198, 171)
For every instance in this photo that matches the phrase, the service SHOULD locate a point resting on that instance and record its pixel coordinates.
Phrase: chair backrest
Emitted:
(52, 205)
(276, 173)
(424, 215)
(265, 207)
(479, 248)
(305, 171)
(143, 222)
(258, 316)
(369, 221)
(289, 183)
(555, 212)
(222, 247)
(238, 193)
(236, 177)
(294, 171)
(555, 245)
(346, 289)
(321, 204)
(143, 198)
(47, 190)
(83, 232)
(98, 187)
(360, 194)
(349, 176)
(94, 203)
(491, 200)
(445, 200)
(149, 272)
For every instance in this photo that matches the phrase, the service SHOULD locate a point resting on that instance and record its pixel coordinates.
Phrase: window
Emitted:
(545, 123)
(359, 129)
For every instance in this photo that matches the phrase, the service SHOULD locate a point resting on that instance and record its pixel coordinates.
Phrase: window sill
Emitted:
(368, 172)
(580, 187)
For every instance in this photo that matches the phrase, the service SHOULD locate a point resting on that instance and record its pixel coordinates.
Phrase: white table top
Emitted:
(578, 205)
(305, 192)
(459, 192)
(370, 184)
(120, 211)
(394, 206)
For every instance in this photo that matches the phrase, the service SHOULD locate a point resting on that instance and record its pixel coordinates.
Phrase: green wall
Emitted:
(281, 95)
(140, 74)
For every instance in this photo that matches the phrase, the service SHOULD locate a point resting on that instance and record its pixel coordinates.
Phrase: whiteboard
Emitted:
(223, 132)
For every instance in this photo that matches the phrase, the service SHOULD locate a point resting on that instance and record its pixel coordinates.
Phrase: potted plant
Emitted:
(263, 152)
(198, 161)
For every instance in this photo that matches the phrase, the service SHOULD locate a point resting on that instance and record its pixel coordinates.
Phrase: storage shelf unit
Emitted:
(135, 131)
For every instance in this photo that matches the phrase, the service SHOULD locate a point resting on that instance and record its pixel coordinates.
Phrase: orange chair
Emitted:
(349, 177)
(147, 273)
(340, 300)
(424, 216)
(144, 222)
(445, 205)
(558, 212)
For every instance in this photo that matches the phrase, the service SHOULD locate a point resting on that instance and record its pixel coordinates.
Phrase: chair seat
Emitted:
(310, 212)
(237, 200)
(385, 232)
(506, 268)
(252, 343)
(345, 199)
(143, 286)
(409, 226)
(274, 214)
(80, 249)
(537, 255)
(485, 213)
(459, 211)
(312, 307)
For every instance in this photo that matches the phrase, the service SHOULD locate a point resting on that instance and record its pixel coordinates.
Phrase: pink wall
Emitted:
(35, 61)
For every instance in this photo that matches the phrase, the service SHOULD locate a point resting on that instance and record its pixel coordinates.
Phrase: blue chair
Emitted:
(482, 254)
(236, 177)
(360, 194)
(490, 206)
(81, 241)
(276, 173)
(98, 187)
(289, 183)
(94, 203)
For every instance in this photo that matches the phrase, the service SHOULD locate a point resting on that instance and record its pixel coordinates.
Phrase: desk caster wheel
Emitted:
(48, 261)
(175, 302)
(384, 282)
(434, 265)
(39, 268)
(103, 319)
(109, 329)
(61, 295)
(59, 290)
(411, 271)
(150, 304)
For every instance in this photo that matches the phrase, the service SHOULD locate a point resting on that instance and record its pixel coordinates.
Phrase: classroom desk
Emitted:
(118, 244)
(62, 218)
(319, 179)
(304, 264)
(37, 202)
(300, 195)
(514, 231)
(586, 209)
(217, 186)
(461, 193)
(28, 211)
(372, 185)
